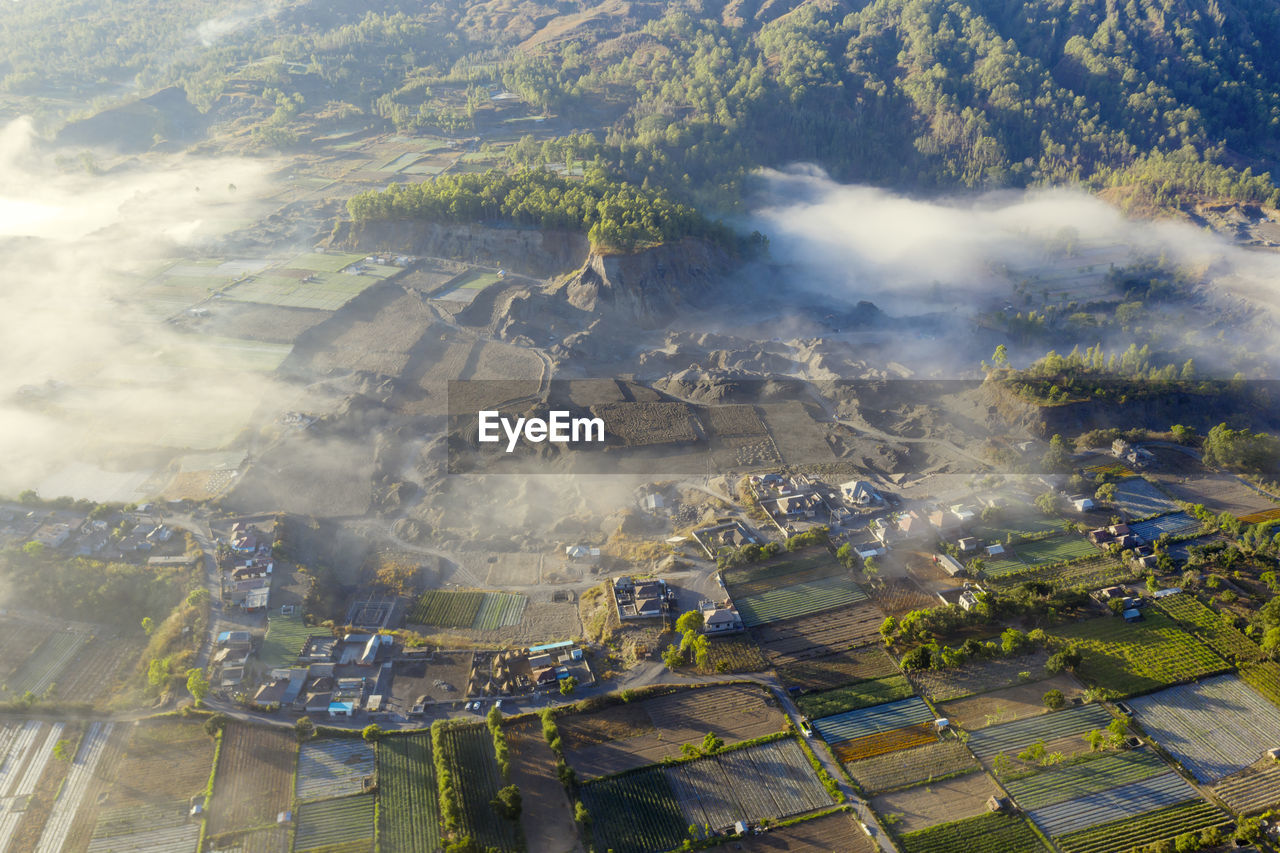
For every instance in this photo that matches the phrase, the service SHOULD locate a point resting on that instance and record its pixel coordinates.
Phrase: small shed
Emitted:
(1133, 614)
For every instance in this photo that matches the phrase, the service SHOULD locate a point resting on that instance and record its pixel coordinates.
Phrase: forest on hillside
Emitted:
(1163, 100)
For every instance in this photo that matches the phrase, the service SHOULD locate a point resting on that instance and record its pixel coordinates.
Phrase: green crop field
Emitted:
(1094, 572)
(1061, 784)
(799, 599)
(1223, 637)
(323, 262)
(446, 609)
(987, 833)
(774, 570)
(1139, 657)
(1055, 549)
(469, 754)
(1000, 529)
(499, 610)
(409, 817)
(347, 821)
(285, 636)
(1144, 829)
(635, 813)
(860, 695)
(476, 280)
(327, 291)
(1265, 678)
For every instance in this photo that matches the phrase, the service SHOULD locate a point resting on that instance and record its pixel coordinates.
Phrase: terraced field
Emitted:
(1149, 828)
(1225, 639)
(988, 833)
(800, 599)
(1214, 728)
(909, 766)
(1012, 738)
(347, 821)
(875, 720)
(1140, 657)
(1060, 784)
(1253, 790)
(1080, 813)
(863, 694)
(333, 768)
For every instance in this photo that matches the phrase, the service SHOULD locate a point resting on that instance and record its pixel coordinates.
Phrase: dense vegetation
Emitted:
(1161, 99)
(613, 215)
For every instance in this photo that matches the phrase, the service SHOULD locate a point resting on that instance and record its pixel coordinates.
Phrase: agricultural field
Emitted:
(911, 766)
(792, 640)
(15, 635)
(734, 420)
(1174, 524)
(100, 668)
(1265, 678)
(1272, 514)
(1114, 469)
(547, 815)
(1011, 703)
(1012, 738)
(875, 720)
(75, 787)
(1094, 572)
(446, 609)
(836, 831)
(469, 756)
(165, 762)
(639, 733)
(898, 596)
(483, 611)
(408, 808)
(499, 610)
(1055, 549)
(285, 637)
(927, 805)
(318, 291)
(1017, 526)
(988, 833)
(1140, 498)
(466, 286)
(1127, 833)
(973, 677)
(347, 821)
(830, 671)
(798, 599)
(771, 780)
(1069, 782)
(809, 564)
(254, 781)
(1003, 567)
(869, 746)
(635, 813)
(1223, 638)
(1136, 798)
(323, 261)
(1140, 657)
(149, 829)
(43, 666)
(1214, 728)
(333, 767)
(1252, 790)
(734, 655)
(27, 750)
(863, 694)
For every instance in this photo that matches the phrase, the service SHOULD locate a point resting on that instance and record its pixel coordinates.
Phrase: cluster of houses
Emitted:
(540, 667)
(915, 525)
(136, 534)
(1121, 536)
(1136, 457)
(726, 533)
(248, 584)
(336, 676)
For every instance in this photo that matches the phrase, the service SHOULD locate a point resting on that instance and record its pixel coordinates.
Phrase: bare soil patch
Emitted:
(937, 802)
(547, 816)
(1011, 703)
(978, 677)
(804, 637)
(839, 831)
(254, 782)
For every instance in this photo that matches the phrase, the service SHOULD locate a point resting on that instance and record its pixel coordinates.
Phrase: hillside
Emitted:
(1160, 101)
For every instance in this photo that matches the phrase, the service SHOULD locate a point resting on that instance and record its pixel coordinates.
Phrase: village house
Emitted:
(721, 620)
(860, 493)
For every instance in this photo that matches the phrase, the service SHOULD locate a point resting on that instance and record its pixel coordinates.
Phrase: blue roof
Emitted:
(342, 706)
(546, 647)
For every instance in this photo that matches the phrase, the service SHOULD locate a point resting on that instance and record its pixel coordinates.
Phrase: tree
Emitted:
(158, 672)
(215, 724)
(918, 658)
(711, 743)
(34, 550)
(691, 620)
(197, 597)
(507, 803)
(580, 814)
(197, 685)
(1013, 641)
(1066, 659)
(1054, 699)
(304, 728)
(1057, 458)
(148, 625)
(1000, 358)
(1106, 493)
(1049, 502)
(870, 569)
(567, 685)
(62, 750)
(846, 556)
(373, 731)
(673, 658)
(702, 652)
